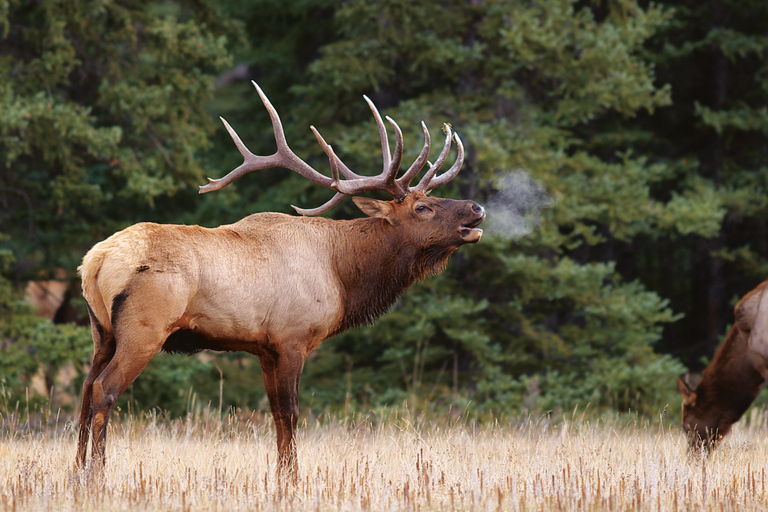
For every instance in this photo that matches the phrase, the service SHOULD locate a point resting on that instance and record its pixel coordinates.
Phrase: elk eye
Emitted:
(422, 208)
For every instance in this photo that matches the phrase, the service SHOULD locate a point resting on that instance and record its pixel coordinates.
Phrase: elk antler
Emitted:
(387, 181)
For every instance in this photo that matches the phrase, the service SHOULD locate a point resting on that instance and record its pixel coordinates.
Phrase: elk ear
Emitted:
(689, 396)
(693, 379)
(374, 207)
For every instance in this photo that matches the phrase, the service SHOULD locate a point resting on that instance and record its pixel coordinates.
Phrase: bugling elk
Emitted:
(272, 285)
(730, 383)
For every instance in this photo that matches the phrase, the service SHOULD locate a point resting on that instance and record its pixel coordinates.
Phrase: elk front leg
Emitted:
(282, 374)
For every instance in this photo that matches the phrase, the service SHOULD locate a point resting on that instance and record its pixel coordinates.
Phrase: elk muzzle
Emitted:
(702, 440)
(469, 231)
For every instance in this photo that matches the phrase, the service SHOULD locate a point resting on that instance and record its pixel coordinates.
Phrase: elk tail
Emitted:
(89, 272)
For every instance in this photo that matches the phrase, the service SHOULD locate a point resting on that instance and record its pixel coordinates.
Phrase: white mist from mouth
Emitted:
(514, 210)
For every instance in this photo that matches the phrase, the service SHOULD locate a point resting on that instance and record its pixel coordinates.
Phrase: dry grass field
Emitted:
(393, 463)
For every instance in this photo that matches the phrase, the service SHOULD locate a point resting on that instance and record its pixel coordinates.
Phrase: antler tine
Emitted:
(382, 132)
(405, 180)
(346, 171)
(336, 199)
(283, 157)
(338, 196)
(236, 173)
(354, 183)
(450, 173)
(390, 181)
(385, 181)
(433, 168)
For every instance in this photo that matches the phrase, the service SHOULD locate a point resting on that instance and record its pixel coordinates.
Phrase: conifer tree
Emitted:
(101, 124)
(618, 146)
(713, 54)
(102, 116)
(546, 90)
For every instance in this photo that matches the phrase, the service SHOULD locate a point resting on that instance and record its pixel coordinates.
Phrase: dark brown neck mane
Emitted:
(377, 265)
(730, 383)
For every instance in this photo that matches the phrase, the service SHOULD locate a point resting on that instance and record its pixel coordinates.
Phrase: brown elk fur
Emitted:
(730, 383)
(272, 285)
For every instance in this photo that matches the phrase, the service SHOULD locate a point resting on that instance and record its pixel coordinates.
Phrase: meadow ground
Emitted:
(393, 463)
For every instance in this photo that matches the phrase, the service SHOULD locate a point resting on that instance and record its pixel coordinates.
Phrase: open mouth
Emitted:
(470, 232)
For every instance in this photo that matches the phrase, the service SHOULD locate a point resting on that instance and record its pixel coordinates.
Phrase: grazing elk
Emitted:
(730, 383)
(272, 285)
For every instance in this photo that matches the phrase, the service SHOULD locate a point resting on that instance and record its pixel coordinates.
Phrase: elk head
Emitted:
(410, 204)
(703, 426)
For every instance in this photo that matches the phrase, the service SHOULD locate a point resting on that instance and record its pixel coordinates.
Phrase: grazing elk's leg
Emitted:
(103, 351)
(282, 375)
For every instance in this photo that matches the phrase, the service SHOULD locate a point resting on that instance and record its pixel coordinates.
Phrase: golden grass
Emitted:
(396, 464)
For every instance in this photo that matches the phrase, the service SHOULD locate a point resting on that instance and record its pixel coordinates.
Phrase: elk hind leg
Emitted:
(103, 351)
(129, 361)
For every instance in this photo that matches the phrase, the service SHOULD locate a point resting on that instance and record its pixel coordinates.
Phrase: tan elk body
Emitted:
(272, 285)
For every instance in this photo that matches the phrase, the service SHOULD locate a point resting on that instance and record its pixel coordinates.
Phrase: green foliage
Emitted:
(714, 56)
(33, 346)
(102, 114)
(544, 88)
(586, 66)
(583, 337)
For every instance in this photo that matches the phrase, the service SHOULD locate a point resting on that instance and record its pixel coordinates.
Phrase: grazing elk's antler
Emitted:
(354, 183)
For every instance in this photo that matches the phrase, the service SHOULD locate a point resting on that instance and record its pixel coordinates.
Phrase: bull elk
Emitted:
(272, 285)
(730, 383)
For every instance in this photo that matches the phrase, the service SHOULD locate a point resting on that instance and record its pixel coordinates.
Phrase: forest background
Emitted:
(619, 146)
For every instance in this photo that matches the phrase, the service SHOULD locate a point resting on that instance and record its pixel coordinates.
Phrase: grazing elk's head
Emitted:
(704, 425)
(437, 223)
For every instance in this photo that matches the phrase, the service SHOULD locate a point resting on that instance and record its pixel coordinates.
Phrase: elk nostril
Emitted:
(476, 208)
